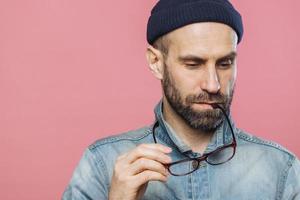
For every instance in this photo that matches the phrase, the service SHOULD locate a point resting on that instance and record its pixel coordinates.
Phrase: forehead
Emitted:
(207, 39)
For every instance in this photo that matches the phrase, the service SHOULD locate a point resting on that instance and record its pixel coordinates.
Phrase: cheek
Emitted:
(185, 82)
(227, 81)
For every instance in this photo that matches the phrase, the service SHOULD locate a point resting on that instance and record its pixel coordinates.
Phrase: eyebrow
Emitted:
(192, 58)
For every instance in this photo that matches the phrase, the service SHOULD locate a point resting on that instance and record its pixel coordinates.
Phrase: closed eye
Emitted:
(226, 63)
(192, 65)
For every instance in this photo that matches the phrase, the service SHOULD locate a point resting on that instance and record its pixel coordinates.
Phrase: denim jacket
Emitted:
(259, 170)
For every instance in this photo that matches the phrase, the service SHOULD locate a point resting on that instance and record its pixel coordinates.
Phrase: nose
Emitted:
(210, 81)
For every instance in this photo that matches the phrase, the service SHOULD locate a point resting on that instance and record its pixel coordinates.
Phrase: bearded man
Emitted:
(193, 150)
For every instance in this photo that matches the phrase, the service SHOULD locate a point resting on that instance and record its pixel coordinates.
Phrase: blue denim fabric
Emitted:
(260, 170)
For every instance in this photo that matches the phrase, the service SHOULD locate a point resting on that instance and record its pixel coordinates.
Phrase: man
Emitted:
(193, 150)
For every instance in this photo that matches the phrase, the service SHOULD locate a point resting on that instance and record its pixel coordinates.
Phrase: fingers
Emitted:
(149, 175)
(144, 164)
(155, 152)
(136, 168)
(160, 147)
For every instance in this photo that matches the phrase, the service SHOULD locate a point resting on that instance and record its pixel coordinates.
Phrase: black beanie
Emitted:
(168, 15)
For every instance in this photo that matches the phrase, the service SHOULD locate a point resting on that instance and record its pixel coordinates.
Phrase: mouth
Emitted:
(208, 105)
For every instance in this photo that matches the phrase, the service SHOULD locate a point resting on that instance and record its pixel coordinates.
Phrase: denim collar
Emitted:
(166, 134)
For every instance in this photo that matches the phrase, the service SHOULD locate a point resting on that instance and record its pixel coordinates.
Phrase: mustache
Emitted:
(207, 97)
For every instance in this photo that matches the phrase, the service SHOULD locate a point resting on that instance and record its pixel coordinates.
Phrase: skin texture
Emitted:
(207, 120)
(205, 69)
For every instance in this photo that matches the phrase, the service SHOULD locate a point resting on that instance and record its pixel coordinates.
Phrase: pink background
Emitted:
(74, 71)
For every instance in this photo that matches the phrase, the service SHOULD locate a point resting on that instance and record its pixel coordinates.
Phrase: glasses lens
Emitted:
(221, 156)
(184, 168)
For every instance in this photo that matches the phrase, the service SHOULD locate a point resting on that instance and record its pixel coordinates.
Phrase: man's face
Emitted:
(200, 68)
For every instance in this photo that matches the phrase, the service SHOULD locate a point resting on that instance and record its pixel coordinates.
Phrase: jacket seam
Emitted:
(263, 142)
(118, 139)
(283, 178)
(99, 162)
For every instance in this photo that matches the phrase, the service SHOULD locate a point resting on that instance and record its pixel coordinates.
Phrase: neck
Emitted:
(196, 139)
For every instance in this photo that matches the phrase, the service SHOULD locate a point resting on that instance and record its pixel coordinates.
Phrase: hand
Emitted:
(133, 171)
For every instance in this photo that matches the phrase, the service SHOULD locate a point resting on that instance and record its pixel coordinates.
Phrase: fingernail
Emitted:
(168, 149)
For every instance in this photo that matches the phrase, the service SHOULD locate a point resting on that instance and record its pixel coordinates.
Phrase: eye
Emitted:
(192, 65)
(226, 63)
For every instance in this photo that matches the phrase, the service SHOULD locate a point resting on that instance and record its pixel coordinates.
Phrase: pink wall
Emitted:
(73, 71)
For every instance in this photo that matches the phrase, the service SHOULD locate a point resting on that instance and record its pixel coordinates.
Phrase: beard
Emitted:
(207, 120)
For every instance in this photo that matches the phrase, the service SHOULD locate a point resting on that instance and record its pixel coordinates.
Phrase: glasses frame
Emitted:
(204, 157)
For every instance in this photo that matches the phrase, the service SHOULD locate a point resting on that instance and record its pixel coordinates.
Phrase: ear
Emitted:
(155, 60)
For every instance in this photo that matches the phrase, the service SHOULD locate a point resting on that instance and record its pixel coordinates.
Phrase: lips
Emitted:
(204, 105)
(209, 104)
(202, 102)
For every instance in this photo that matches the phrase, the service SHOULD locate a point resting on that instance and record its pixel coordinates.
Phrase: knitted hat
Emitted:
(168, 15)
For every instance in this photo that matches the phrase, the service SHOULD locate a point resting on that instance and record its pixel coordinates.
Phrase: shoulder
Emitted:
(269, 162)
(105, 151)
(132, 136)
(262, 145)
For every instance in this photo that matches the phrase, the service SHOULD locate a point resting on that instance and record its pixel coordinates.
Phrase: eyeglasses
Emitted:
(219, 156)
